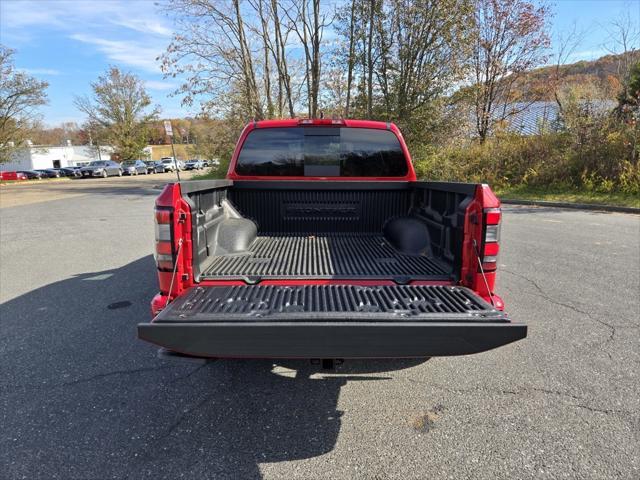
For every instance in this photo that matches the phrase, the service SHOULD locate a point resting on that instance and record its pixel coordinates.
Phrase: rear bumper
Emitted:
(330, 339)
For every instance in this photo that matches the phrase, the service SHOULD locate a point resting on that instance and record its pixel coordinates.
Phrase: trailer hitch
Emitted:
(327, 363)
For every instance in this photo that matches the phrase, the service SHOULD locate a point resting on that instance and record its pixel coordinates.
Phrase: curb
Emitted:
(575, 206)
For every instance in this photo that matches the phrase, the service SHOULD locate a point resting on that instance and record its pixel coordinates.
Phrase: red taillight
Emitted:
(492, 216)
(491, 247)
(163, 216)
(164, 248)
(164, 239)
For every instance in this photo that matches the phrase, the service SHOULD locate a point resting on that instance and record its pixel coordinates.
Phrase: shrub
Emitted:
(596, 155)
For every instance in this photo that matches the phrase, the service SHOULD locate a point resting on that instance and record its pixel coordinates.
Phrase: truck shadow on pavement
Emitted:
(82, 397)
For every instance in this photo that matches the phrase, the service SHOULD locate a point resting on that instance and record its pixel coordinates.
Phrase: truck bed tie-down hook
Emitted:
(175, 268)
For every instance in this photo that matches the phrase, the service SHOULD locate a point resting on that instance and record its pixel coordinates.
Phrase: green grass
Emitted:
(568, 195)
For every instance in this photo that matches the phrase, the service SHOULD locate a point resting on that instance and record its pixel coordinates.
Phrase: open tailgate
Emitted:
(330, 321)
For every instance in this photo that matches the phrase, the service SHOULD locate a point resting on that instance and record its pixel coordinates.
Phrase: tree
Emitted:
(213, 50)
(510, 38)
(20, 95)
(119, 112)
(624, 43)
(630, 94)
(238, 57)
(628, 109)
(404, 56)
(308, 23)
(213, 139)
(67, 131)
(350, 55)
(566, 44)
(284, 80)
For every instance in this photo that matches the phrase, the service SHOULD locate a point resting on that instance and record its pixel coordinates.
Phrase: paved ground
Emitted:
(80, 397)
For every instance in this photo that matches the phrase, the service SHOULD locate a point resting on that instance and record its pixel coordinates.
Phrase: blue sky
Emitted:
(70, 42)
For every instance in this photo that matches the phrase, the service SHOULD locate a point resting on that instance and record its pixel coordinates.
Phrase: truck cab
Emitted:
(322, 243)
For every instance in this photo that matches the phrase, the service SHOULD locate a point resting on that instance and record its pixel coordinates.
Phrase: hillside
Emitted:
(602, 75)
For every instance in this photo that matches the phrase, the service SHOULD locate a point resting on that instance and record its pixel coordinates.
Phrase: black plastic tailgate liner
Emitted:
(330, 302)
(330, 321)
(368, 256)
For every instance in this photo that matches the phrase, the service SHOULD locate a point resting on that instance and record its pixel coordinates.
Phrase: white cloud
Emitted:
(140, 15)
(115, 19)
(160, 85)
(129, 53)
(145, 26)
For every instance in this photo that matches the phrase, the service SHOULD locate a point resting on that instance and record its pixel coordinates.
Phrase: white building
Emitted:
(33, 157)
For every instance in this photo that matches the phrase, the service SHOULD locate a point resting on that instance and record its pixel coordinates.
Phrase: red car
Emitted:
(321, 243)
(12, 176)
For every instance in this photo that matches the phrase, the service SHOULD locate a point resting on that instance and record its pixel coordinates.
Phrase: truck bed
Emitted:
(326, 256)
(397, 231)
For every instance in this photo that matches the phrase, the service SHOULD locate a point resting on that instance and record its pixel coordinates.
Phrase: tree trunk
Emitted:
(370, 60)
(251, 88)
(315, 59)
(281, 62)
(267, 60)
(351, 59)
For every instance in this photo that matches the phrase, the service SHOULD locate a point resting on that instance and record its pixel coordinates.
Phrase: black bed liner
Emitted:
(330, 321)
(328, 256)
(323, 302)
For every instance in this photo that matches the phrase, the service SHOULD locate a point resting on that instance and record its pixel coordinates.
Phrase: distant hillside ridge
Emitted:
(602, 74)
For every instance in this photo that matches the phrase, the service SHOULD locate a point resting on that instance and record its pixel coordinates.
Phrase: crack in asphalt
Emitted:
(113, 373)
(156, 440)
(97, 376)
(523, 390)
(189, 374)
(546, 296)
(600, 410)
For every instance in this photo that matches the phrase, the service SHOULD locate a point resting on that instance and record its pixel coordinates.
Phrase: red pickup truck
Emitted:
(321, 243)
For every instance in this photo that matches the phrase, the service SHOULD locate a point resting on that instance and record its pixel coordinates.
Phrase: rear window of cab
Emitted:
(321, 152)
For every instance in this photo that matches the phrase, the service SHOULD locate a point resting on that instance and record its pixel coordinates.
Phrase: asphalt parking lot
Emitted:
(82, 398)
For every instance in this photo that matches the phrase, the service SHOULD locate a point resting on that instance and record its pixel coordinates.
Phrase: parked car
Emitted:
(134, 167)
(170, 164)
(68, 172)
(101, 168)
(48, 172)
(357, 257)
(214, 163)
(154, 166)
(12, 176)
(31, 174)
(194, 165)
